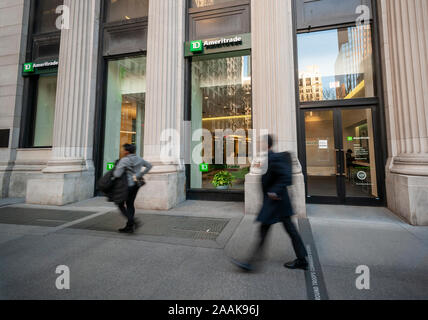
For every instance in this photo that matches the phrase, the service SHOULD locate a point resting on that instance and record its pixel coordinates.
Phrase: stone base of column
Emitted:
(62, 183)
(163, 191)
(408, 194)
(254, 196)
(60, 189)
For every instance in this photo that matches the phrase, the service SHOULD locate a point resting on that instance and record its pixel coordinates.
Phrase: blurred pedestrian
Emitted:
(277, 208)
(131, 165)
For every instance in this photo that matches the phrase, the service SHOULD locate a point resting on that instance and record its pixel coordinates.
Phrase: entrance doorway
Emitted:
(341, 157)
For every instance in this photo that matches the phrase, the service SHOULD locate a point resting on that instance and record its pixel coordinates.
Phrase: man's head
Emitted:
(266, 143)
(270, 141)
(129, 149)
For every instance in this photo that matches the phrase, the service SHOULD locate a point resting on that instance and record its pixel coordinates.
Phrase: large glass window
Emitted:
(118, 10)
(46, 15)
(126, 94)
(221, 106)
(45, 111)
(336, 64)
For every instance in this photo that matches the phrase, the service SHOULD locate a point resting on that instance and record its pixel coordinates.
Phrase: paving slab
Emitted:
(396, 254)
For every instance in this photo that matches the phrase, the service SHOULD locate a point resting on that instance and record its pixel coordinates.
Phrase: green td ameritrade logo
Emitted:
(203, 167)
(28, 67)
(196, 46)
(110, 166)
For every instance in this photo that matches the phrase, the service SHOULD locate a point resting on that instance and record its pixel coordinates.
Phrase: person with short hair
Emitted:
(132, 166)
(277, 208)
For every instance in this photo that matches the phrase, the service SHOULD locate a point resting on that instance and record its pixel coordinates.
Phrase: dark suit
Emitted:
(276, 180)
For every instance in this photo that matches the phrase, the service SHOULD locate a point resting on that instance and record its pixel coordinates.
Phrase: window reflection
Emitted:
(221, 100)
(126, 93)
(206, 3)
(361, 179)
(46, 15)
(119, 10)
(336, 64)
(45, 111)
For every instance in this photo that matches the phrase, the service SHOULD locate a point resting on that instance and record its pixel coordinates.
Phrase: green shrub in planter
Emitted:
(223, 179)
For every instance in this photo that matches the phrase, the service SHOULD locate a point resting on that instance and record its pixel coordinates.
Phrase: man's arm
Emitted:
(147, 165)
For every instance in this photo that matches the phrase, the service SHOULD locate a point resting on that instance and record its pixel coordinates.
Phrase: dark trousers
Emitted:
(290, 228)
(127, 207)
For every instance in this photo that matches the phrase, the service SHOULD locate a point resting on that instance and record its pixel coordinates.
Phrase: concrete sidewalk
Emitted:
(395, 252)
(155, 265)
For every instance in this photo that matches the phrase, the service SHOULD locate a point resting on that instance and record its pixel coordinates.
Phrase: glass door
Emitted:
(321, 157)
(340, 155)
(358, 153)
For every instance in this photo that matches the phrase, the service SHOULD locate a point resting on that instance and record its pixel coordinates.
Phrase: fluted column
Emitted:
(69, 176)
(164, 113)
(75, 101)
(404, 33)
(165, 78)
(274, 103)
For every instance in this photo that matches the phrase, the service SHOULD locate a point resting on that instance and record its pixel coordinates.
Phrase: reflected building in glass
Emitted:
(354, 65)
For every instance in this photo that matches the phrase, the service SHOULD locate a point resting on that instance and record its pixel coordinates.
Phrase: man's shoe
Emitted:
(127, 230)
(243, 266)
(297, 264)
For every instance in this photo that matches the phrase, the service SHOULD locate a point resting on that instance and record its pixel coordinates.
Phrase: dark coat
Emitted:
(116, 189)
(276, 180)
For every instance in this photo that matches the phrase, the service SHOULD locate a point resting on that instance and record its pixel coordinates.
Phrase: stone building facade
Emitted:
(127, 72)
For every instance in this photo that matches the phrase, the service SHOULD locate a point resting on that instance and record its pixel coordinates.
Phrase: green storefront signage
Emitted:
(28, 67)
(203, 167)
(32, 68)
(350, 139)
(218, 45)
(110, 166)
(196, 46)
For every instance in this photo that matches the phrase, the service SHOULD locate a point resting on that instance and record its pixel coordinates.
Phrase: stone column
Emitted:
(69, 176)
(274, 103)
(404, 38)
(13, 38)
(164, 106)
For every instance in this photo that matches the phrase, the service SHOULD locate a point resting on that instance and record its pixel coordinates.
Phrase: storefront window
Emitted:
(221, 107)
(206, 3)
(46, 15)
(336, 64)
(126, 94)
(118, 10)
(45, 111)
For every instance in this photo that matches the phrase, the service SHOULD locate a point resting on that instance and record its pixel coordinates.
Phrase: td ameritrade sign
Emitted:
(38, 67)
(198, 46)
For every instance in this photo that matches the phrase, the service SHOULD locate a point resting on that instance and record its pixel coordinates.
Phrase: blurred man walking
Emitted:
(277, 208)
(131, 165)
